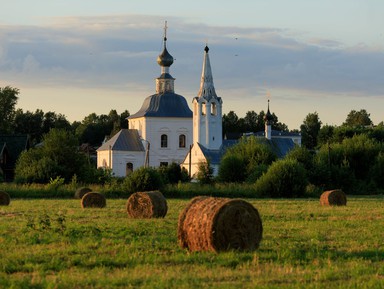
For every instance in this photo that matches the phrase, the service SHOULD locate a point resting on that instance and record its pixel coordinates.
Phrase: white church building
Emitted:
(165, 130)
(158, 134)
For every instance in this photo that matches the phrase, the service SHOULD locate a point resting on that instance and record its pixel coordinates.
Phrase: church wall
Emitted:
(119, 160)
(172, 128)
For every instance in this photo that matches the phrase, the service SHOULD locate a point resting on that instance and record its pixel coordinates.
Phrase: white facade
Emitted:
(122, 163)
(169, 139)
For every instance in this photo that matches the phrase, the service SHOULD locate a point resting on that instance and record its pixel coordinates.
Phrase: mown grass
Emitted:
(57, 244)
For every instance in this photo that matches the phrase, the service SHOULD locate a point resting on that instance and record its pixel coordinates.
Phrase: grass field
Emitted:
(57, 244)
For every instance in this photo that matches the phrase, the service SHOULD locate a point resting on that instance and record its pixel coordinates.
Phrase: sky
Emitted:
(79, 57)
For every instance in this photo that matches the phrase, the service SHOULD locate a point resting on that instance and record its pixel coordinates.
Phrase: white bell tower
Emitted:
(207, 110)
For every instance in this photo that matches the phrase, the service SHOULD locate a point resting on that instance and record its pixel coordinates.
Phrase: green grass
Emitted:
(57, 244)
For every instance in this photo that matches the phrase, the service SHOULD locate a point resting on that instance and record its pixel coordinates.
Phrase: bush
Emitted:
(173, 174)
(285, 178)
(250, 156)
(205, 173)
(143, 179)
(232, 169)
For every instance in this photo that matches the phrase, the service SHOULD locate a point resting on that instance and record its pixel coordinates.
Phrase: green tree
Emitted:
(59, 156)
(143, 179)
(358, 118)
(205, 173)
(29, 123)
(285, 178)
(249, 153)
(230, 123)
(232, 169)
(310, 130)
(8, 100)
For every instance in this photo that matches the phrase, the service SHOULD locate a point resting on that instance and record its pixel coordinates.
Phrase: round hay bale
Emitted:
(80, 192)
(93, 200)
(333, 198)
(4, 199)
(147, 205)
(219, 224)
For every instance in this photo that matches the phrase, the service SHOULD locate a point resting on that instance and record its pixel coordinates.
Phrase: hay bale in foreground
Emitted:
(219, 224)
(93, 200)
(147, 205)
(333, 198)
(4, 199)
(80, 192)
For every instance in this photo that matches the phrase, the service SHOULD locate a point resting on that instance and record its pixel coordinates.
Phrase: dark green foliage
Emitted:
(310, 130)
(205, 173)
(349, 165)
(250, 156)
(172, 174)
(232, 169)
(303, 156)
(8, 100)
(358, 118)
(377, 171)
(59, 156)
(284, 179)
(94, 128)
(143, 179)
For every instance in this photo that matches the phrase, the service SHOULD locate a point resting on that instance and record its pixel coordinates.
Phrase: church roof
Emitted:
(280, 146)
(215, 156)
(168, 104)
(124, 140)
(277, 133)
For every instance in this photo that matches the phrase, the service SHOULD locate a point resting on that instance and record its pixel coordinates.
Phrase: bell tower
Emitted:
(207, 110)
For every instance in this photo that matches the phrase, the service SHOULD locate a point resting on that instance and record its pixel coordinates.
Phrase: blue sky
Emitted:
(79, 57)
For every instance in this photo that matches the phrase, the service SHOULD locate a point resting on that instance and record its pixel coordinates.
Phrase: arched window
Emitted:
(164, 141)
(213, 108)
(128, 169)
(182, 141)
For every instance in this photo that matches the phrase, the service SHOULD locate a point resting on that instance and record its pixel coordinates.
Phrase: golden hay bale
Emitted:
(93, 200)
(80, 192)
(4, 199)
(333, 198)
(147, 205)
(219, 224)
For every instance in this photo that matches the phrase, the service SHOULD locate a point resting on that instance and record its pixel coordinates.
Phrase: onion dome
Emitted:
(165, 59)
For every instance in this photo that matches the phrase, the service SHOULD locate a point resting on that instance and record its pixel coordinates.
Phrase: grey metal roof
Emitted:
(124, 140)
(168, 104)
(215, 156)
(277, 133)
(280, 146)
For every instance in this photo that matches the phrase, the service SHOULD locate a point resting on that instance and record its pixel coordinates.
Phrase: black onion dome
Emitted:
(168, 104)
(165, 59)
(268, 116)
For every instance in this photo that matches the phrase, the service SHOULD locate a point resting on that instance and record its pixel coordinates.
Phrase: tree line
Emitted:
(92, 129)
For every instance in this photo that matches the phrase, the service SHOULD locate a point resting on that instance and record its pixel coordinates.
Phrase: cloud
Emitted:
(116, 52)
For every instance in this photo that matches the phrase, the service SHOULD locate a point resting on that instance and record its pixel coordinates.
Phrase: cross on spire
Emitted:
(165, 31)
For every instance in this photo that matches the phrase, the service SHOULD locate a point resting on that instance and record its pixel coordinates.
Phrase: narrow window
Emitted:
(128, 169)
(213, 109)
(164, 141)
(203, 109)
(182, 141)
(163, 164)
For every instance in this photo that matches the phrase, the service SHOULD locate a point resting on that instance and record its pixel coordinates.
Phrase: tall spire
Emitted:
(207, 89)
